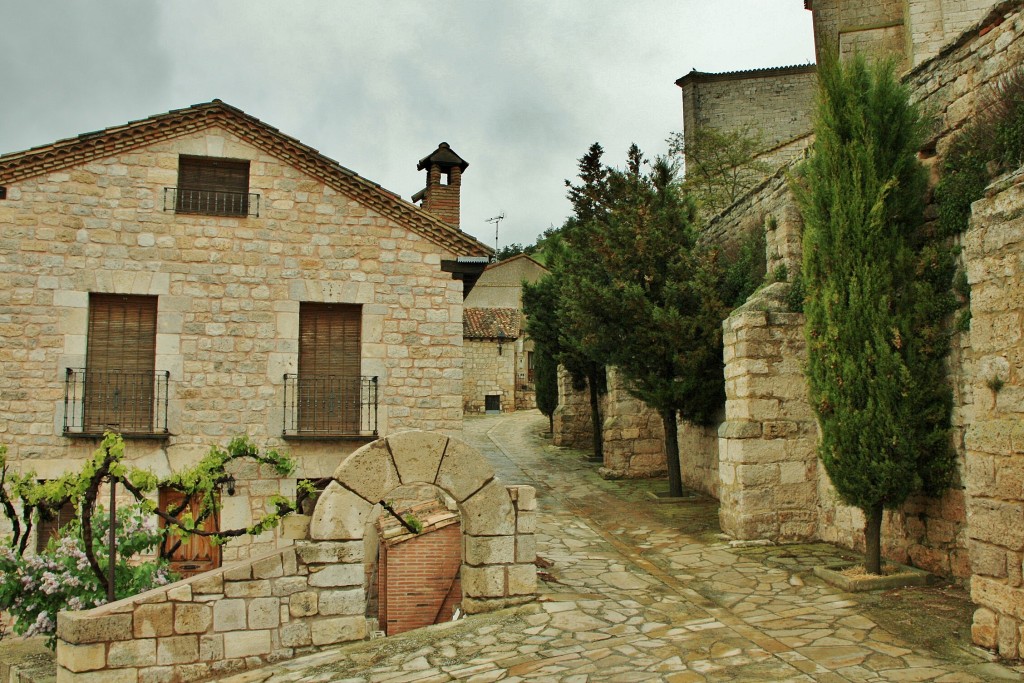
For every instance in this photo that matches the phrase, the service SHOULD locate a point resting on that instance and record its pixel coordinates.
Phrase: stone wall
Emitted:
(918, 30)
(993, 249)
(489, 373)
(312, 595)
(634, 435)
(572, 419)
(776, 103)
(768, 464)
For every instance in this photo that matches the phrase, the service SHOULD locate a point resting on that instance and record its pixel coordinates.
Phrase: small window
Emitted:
(329, 386)
(217, 187)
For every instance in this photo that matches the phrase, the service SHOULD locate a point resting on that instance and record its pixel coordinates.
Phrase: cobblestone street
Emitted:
(642, 591)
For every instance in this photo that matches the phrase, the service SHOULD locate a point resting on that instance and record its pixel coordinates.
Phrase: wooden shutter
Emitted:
(50, 524)
(213, 186)
(120, 363)
(329, 367)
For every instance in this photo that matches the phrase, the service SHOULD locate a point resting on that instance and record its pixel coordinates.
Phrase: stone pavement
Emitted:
(641, 591)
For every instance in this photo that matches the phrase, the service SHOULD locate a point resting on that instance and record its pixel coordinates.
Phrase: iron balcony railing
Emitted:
(211, 202)
(330, 406)
(130, 403)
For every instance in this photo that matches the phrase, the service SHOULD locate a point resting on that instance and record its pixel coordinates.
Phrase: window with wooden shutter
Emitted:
(213, 186)
(196, 554)
(119, 364)
(329, 365)
(51, 522)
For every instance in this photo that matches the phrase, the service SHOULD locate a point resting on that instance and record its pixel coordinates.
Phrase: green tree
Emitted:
(721, 165)
(649, 301)
(875, 299)
(540, 304)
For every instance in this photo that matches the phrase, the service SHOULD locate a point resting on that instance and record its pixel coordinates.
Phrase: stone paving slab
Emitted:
(639, 591)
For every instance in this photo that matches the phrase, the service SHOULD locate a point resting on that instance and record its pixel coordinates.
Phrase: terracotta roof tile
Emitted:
(89, 146)
(490, 323)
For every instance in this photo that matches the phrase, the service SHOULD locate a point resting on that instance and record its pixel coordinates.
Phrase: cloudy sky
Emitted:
(519, 88)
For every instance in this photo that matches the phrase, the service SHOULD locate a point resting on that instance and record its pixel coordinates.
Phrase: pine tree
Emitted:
(648, 300)
(540, 304)
(873, 306)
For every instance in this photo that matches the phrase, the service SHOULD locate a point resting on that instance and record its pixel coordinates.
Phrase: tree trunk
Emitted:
(873, 540)
(551, 423)
(595, 418)
(675, 476)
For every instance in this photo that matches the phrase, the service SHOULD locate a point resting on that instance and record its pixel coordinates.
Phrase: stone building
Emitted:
(773, 103)
(197, 275)
(499, 355)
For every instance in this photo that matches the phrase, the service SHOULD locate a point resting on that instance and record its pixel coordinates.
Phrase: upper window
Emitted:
(213, 186)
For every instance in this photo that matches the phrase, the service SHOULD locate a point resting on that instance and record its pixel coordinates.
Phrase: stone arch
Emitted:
(498, 547)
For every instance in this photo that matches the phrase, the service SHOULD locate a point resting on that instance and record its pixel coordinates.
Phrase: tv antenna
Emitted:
(497, 222)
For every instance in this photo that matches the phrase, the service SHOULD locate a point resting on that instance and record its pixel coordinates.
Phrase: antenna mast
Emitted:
(497, 222)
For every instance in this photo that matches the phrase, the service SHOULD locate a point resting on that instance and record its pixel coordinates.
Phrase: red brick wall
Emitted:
(418, 580)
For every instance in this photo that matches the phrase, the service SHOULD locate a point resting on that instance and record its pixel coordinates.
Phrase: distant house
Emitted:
(199, 274)
(499, 356)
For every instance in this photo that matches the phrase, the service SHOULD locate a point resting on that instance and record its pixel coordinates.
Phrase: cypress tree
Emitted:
(540, 304)
(875, 297)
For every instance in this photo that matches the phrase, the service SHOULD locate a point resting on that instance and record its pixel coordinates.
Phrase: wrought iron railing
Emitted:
(131, 403)
(330, 406)
(211, 202)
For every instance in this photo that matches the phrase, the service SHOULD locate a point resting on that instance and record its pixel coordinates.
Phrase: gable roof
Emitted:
(767, 72)
(490, 323)
(89, 146)
(517, 257)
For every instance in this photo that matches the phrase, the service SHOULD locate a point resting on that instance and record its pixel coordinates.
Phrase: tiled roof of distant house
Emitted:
(490, 323)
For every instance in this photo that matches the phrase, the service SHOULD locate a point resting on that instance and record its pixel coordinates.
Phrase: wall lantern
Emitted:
(229, 482)
(501, 340)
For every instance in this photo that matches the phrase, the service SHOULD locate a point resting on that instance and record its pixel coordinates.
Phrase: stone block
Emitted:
(337, 575)
(264, 613)
(483, 582)
(153, 621)
(132, 653)
(417, 455)
(211, 647)
(304, 604)
(177, 650)
(329, 552)
(340, 515)
(337, 630)
(241, 572)
(79, 628)
(104, 676)
(246, 644)
(370, 472)
(296, 634)
(209, 585)
(268, 568)
(343, 602)
(522, 579)
(192, 618)
(526, 522)
(78, 658)
(287, 585)
(523, 497)
(181, 593)
(229, 615)
(489, 512)
(1008, 636)
(463, 471)
(526, 548)
(247, 589)
(295, 527)
(489, 550)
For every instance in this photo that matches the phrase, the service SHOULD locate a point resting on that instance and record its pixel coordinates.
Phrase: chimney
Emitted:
(444, 181)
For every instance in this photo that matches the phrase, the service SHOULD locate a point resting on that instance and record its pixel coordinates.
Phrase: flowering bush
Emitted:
(33, 588)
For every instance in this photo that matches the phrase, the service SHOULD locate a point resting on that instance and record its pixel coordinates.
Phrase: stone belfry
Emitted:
(444, 181)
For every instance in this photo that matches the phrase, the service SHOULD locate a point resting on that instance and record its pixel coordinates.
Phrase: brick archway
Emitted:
(498, 548)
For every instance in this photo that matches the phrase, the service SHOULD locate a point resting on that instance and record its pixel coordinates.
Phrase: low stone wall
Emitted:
(313, 594)
(572, 423)
(767, 458)
(993, 248)
(634, 435)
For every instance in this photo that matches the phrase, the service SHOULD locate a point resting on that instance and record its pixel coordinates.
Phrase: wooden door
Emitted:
(196, 554)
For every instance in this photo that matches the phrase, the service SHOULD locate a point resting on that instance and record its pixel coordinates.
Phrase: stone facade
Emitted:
(993, 248)
(776, 103)
(507, 373)
(633, 434)
(573, 427)
(916, 30)
(92, 215)
(312, 595)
